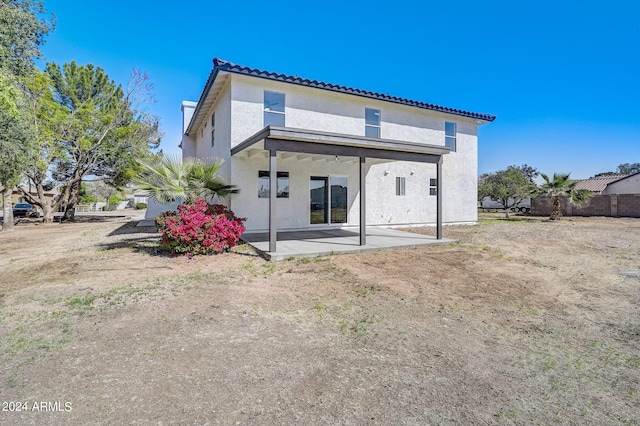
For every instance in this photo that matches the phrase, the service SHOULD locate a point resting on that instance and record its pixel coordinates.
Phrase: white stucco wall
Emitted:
(322, 110)
(240, 106)
(384, 207)
(154, 209)
(222, 146)
(293, 212)
(188, 143)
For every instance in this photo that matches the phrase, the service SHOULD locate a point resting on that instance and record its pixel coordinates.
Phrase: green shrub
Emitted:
(140, 206)
(87, 199)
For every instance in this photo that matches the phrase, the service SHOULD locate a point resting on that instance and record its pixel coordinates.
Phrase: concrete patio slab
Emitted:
(324, 242)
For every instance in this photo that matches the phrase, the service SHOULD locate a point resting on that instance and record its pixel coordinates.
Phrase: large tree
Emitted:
(628, 168)
(88, 125)
(530, 172)
(16, 137)
(23, 26)
(508, 187)
(622, 169)
(562, 187)
(22, 30)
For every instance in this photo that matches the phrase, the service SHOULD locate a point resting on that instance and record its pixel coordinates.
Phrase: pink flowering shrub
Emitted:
(199, 228)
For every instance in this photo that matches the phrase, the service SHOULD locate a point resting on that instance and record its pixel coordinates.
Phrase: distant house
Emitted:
(137, 197)
(612, 184)
(18, 197)
(629, 184)
(322, 147)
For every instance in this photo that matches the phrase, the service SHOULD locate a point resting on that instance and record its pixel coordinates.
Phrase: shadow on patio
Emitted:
(334, 241)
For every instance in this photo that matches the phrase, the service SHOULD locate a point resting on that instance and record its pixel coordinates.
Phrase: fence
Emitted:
(615, 205)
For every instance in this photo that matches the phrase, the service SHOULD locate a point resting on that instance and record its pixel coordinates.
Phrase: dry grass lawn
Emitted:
(522, 322)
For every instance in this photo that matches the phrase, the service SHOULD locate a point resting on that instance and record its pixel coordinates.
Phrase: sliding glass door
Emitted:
(328, 197)
(319, 199)
(338, 190)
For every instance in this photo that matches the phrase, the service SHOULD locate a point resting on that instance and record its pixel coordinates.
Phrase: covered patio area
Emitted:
(325, 242)
(288, 143)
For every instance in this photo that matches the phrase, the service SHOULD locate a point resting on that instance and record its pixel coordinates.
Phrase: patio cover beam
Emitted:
(341, 142)
(347, 151)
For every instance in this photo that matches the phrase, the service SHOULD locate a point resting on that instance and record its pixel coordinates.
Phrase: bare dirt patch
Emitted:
(522, 322)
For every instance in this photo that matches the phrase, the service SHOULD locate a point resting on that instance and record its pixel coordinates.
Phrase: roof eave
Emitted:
(254, 72)
(221, 65)
(203, 96)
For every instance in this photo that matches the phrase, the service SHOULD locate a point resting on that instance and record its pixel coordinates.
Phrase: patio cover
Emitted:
(284, 139)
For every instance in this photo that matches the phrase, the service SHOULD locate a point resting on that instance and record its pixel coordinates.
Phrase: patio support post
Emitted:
(363, 203)
(439, 199)
(273, 190)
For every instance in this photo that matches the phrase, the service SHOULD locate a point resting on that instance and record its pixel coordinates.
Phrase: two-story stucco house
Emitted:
(336, 156)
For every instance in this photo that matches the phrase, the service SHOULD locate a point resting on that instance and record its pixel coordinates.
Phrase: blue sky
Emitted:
(563, 77)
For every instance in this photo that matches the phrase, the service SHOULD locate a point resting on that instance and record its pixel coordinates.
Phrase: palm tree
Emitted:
(168, 178)
(562, 187)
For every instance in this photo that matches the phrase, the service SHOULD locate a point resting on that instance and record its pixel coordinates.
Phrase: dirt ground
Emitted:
(525, 321)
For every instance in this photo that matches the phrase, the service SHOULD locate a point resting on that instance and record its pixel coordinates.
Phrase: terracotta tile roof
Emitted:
(598, 184)
(222, 65)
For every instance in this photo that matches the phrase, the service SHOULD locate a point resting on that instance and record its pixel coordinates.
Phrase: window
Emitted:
(433, 186)
(372, 123)
(273, 109)
(400, 186)
(450, 135)
(282, 190)
(213, 129)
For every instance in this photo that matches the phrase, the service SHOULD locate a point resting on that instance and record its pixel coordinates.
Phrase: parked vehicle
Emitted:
(524, 206)
(24, 210)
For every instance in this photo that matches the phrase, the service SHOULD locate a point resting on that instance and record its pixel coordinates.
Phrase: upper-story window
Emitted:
(450, 135)
(372, 123)
(273, 109)
(213, 129)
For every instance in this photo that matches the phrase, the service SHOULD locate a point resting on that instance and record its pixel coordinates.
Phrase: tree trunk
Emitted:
(48, 207)
(556, 214)
(70, 210)
(47, 213)
(7, 213)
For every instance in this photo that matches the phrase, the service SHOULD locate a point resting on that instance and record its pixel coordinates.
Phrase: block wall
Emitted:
(620, 205)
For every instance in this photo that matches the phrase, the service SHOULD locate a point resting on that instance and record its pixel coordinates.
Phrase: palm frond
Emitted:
(168, 178)
(580, 197)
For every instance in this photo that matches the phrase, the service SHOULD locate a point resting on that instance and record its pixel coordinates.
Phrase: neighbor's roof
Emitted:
(222, 65)
(598, 184)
